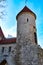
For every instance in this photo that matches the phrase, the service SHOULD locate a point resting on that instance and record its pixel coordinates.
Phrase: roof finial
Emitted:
(26, 2)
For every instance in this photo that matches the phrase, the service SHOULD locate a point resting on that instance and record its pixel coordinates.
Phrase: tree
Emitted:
(2, 8)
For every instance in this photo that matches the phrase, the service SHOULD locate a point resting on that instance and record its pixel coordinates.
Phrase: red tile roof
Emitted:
(1, 34)
(25, 9)
(8, 41)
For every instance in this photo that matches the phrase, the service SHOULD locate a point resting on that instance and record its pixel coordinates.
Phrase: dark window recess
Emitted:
(9, 49)
(2, 49)
(35, 36)
(27, 19)
(33, 26)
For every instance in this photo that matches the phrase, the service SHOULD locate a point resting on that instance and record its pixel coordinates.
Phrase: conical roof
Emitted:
(25, 9)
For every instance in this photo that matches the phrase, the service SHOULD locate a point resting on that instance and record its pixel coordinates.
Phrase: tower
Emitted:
(26, 25)
(26, 48)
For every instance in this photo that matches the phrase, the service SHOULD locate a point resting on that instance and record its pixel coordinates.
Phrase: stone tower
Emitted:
(26, 49)
(26, 25)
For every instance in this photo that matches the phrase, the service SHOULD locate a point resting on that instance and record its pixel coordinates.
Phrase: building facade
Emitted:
(7, 46)
(23, 50)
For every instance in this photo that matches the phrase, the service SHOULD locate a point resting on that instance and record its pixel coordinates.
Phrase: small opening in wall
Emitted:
(33, 26)
(27, 19)
(35, 37)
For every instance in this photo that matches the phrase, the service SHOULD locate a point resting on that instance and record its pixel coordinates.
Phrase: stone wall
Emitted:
(26, 28)
(40, 55)
(26, 52)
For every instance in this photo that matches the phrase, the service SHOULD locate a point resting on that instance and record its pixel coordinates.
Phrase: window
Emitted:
(27, 19)
(35, 36)
(34, 27)
(2, 49)
(9, 49)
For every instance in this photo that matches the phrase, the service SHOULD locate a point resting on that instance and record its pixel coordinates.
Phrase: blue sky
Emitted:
(9, 23)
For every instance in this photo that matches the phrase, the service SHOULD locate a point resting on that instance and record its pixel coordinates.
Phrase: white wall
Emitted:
(6, 50)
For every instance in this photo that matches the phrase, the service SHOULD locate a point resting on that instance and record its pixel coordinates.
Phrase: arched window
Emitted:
(3, 62)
